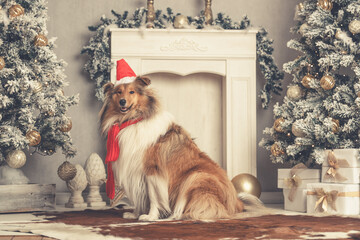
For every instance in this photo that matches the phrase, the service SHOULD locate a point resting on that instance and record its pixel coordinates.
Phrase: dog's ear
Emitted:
(143, 81)
(108, 87)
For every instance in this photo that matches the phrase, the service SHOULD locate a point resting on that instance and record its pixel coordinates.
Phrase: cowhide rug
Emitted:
(109, 224)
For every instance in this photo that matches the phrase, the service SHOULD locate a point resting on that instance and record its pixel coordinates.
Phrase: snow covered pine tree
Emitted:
(321, 108)
(32, 102)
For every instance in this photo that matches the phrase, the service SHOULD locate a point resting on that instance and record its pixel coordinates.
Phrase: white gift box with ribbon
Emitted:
(341, 166)
(333, 198)
(294, 181)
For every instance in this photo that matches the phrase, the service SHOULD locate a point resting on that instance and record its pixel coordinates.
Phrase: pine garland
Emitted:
(98, 50)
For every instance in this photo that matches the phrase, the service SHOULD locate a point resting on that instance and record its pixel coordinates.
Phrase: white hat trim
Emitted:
(125, 80)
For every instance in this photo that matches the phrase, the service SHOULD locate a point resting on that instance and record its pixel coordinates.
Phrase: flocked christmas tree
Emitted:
(33, 107)
(321, 108)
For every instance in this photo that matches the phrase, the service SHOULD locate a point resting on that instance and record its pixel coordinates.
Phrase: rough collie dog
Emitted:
(160, 168)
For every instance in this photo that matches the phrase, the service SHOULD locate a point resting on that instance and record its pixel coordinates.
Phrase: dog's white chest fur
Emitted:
(128, 170)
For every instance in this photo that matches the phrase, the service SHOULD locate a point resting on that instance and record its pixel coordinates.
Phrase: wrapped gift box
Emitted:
(294, 182)
(304, 175)
(341, 166)
(333, 198)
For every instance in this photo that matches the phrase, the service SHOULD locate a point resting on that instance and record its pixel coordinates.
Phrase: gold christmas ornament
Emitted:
(307, 79)
(66, 171)
(354, 26)
(325, 4)
(36, 87)
(16, 159)
(277, 124)
(294, 92)
(67, 126)
(33, 137)
(40, 40)
(181, 21)
(300, 7)
(336, 125)
(16, 10)
(276, 150)
(297, 131)
(2, 63)
(327, 82)
(247, 183)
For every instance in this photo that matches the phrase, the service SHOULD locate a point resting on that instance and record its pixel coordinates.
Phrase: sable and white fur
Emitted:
(161, 169)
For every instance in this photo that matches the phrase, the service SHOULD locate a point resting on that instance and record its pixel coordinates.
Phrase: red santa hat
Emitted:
(124, 73)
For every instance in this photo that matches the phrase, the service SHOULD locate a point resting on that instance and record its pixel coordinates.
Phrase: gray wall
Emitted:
(68, 21)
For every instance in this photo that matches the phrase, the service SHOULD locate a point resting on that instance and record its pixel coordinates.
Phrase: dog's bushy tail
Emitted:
(253, 206)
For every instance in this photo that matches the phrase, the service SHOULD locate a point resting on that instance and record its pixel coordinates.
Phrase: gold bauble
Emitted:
(16, 159)
(354, 26)
(306, 80)
(327, 82)
(67, 171)
(40, 40)
(67, 126)
(297, 131)
(325, 4)
(2, 63)
(276, 150)
(37, 87)
(181, 21)
(277, 124)
(300, 6)
(33, 137)
(247, 183)
(336, 125)
(16, 10)
(294, 92)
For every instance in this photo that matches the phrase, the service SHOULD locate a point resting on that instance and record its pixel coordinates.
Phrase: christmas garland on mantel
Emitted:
(99, 64)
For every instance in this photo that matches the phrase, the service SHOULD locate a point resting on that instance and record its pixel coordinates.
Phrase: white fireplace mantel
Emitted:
(228, 53)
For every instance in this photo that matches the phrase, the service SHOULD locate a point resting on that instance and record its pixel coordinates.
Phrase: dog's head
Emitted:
(127, 101)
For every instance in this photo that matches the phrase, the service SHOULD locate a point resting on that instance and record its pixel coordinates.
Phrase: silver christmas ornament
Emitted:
(16, 159)
(294, 92)
(354, 26)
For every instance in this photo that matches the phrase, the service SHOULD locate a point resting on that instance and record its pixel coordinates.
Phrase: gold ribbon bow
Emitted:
(325, 199)
(294, 181)
(335, 164)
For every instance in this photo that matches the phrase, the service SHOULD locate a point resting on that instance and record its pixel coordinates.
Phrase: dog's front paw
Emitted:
(148, 218)
(130, 215)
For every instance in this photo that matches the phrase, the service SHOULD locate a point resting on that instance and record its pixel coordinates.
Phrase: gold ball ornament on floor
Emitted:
(305, 81)
(67, 126)
(16, 159)
(327, 82)
(40, 40)
(2, 63)
(276, 150)
(325, 4)
(181, 21)
(67, 171)
(16, 10)
(245, 182)
(354, 26)
(33, 137)
(277, 124)
(294, 92)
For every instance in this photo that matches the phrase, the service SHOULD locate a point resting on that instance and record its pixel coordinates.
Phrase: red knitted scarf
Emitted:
(113, 151)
